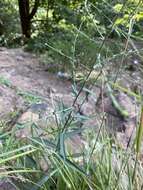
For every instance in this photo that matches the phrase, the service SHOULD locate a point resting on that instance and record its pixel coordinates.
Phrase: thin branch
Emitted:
(34, 10)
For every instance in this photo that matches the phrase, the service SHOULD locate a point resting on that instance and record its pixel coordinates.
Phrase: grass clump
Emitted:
(100, 165)
(5, 81)
(28, 97)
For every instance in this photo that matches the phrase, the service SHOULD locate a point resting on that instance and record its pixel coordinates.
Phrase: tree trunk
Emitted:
(26, 16)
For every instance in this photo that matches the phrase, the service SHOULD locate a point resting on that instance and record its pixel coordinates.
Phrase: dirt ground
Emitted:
(29, 94)
(26, 88)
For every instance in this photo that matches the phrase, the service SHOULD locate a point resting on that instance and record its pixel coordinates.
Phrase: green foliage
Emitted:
(71, 48)
(29, 97)
(53, 17)
(5, 81)
(131, 15)
(100, 165)
(10, 25)
(71, 32)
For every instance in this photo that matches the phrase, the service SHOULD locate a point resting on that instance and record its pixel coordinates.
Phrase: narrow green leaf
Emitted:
(43, 180)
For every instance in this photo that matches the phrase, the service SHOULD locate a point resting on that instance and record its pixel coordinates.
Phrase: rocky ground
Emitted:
(26, 90)
(29, 94)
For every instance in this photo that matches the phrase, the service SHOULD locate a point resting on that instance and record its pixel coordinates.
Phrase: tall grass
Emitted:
(102, 164)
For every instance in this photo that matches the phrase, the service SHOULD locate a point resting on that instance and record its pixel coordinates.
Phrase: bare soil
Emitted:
(26, 88)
